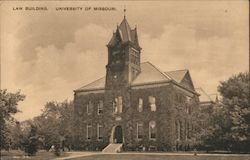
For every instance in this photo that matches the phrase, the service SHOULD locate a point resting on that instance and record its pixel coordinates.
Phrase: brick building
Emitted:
(135, 105)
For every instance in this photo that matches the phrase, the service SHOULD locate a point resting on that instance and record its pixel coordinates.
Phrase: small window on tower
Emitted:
(117, 105)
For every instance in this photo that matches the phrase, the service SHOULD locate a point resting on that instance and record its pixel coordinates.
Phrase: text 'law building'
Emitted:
(135, 106)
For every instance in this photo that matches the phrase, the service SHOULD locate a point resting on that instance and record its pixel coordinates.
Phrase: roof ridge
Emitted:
(165, 75)
(178, 70)
(145, 62)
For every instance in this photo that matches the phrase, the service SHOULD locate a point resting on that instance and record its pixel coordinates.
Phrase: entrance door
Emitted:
(118, 134)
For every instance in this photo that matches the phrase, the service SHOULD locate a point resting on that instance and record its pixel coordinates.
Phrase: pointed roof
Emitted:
(125, 30)
(177, 75)
(125, 33)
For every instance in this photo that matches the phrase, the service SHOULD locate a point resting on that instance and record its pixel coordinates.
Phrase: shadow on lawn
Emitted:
(40, 155)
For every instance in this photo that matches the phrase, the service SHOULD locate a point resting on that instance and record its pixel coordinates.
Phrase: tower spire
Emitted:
(124, 10)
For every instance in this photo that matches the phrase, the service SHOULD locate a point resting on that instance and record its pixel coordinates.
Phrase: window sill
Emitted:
(152, 139)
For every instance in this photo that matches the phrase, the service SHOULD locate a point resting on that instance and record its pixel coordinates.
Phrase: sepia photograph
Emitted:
(127, 80)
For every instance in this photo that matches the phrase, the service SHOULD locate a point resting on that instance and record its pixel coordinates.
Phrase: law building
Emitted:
(135, 106)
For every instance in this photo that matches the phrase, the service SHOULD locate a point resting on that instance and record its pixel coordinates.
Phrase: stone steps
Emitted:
(113, 148)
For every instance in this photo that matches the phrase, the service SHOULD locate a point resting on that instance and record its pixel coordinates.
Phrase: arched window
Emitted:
(140, 105)
(152, 130)
(152, 104)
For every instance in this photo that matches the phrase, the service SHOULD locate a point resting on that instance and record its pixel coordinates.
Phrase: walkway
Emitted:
(84, 154)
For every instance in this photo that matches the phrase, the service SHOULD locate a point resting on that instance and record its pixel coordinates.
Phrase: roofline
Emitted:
(178, 70)
(141, 84)
(149, 83)
(165, 75)
(201, 89)
(88, 84)
(177, 84)
(87, 90)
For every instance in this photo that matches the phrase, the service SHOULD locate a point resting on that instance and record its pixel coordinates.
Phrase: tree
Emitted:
(54, 124)
(225, 125)
(31, 142)
(235, 99)
(8, 107)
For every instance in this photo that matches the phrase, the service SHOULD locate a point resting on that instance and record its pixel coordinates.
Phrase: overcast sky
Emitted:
(48, 54)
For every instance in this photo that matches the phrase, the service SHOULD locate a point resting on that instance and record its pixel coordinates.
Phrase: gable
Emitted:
(187, 81)
(182, 77)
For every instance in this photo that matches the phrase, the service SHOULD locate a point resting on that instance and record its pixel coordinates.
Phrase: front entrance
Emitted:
(118, 137)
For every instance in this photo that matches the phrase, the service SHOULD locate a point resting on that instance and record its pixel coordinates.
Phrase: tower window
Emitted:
(117, 105)
(152, 104)
(152, 130)
(140, 105)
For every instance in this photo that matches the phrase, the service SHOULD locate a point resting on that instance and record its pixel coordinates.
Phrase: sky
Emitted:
(48, 54)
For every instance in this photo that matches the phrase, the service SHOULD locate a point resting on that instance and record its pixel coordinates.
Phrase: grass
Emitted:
(160, 157)
(16, 154)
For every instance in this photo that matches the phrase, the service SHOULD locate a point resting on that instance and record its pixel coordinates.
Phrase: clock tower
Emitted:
(124, 54)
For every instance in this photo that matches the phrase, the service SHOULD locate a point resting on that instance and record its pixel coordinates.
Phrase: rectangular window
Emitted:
(178, 130)
(99, 131)
(152, 104)
(117, 105)
(140, 105)
(139, 130)
(89, 107)
(152, 130)
(115, 108)
(120, 104)
(89, 131)
(100, 107)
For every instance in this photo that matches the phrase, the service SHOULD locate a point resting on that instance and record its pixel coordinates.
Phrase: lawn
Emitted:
(160, 157)
(16, 154)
